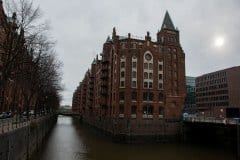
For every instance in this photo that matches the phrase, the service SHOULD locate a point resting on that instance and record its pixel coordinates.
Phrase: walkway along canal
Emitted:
(70, 140)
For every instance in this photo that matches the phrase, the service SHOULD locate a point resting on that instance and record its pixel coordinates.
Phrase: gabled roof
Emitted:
(167, 22)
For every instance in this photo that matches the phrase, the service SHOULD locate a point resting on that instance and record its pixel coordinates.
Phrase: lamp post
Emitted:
(1, 97)
(147, 102)
(238, 139)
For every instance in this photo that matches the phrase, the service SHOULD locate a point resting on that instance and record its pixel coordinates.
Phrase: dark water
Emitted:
(71, 141)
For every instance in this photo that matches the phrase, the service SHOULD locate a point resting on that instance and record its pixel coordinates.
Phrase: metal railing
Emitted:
(233, 121)
(10, 124)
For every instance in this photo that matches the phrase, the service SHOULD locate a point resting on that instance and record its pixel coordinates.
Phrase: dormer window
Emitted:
(133, 45)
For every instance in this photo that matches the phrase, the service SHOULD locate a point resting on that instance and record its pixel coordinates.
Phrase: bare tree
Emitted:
(30, 58)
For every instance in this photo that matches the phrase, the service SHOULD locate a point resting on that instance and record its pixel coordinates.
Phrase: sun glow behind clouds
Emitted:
(219, 41)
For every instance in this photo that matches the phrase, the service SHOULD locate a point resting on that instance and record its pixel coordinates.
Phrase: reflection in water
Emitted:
(70, 141)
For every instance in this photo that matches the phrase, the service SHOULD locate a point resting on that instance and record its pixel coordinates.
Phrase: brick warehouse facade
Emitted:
(138, 85)
(217, 93)
(12, 65)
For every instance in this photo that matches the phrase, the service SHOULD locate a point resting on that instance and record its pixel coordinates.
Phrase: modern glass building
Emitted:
(190, 101)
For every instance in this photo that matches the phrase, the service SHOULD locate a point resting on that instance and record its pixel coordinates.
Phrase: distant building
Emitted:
(76, 100)
(65, 107)
(190, 102)
(217, 93)
(135, 82)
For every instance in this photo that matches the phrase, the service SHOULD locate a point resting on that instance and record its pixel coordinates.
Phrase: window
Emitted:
(150, 76)
(161, 97)
(151, 96)
(160, 86)
(121, 96)
(148, 57)
(134, 84)
(145, 66)
(148, 96)
(123, 46)
(173, 104)
(175, 84)
(134, 64)
(122, 74)
(122, 84)
(121, 109)
(148, 109)
(133, 109)
(122, 64)
(150, 85)
(175, 93)
(145, 75)
(150, 66)
(175, 65)
(134, 74)
(160, 76)
(134, 96)
(162, 39)
(174, 56)
(175, 74)
(145, 84)
(160, 67)
(161, 110)
(122, 57)
(145, 96)
(133, 45)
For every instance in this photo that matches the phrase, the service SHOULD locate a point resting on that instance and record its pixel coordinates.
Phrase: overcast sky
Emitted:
(80, 28)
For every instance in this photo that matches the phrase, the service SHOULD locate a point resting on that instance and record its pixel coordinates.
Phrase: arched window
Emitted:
(148, 70)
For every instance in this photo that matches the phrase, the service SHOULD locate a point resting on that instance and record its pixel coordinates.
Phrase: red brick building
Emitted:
(13, 62)
(138, 85)
(217, 93)
(6, 86)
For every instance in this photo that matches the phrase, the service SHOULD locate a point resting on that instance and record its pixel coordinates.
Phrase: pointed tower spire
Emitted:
(108, 39)
(114, 33)
(167, 22)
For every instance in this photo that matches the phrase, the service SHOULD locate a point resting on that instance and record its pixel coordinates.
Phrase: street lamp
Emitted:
(238, 139)
(1, 98)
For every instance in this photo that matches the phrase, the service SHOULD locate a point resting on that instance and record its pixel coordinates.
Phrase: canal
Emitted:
(69, 140)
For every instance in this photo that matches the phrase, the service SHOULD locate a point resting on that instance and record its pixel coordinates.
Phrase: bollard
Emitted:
(238, 139)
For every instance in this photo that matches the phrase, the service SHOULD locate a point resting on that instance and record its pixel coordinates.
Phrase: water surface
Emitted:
(69, 140)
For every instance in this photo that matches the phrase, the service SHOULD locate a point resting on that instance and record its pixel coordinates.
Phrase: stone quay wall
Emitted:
(21, 143)
(134, 131)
